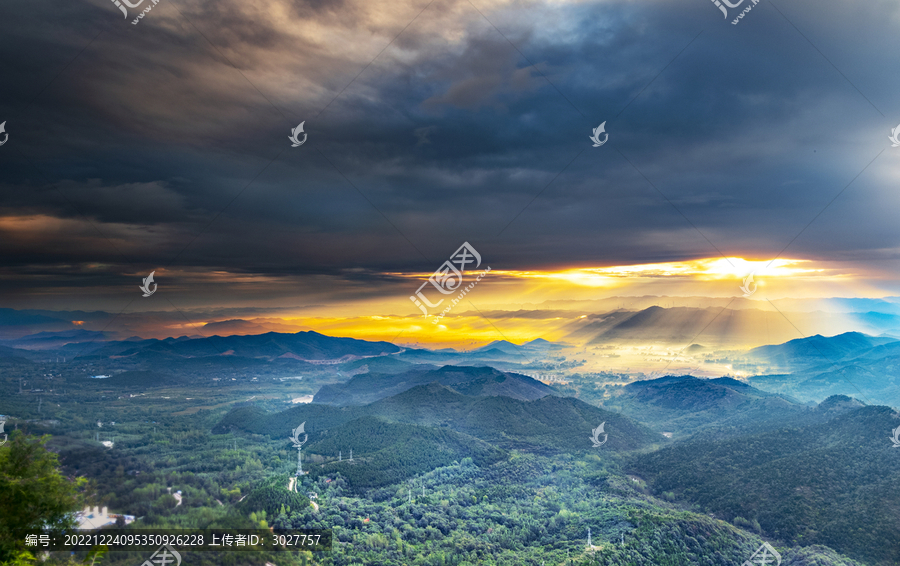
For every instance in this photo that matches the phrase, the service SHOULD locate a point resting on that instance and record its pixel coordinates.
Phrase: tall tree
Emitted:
(33, 493)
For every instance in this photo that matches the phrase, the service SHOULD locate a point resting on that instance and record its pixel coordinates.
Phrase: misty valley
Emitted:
(449, 283)
(506, 454)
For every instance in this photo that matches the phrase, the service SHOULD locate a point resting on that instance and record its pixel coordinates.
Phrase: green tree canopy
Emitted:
(33, 493)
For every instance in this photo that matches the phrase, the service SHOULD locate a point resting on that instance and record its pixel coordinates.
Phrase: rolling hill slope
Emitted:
(388, 452)
(686, 405)
(546, 424)
(473, 381)
(549, 424)
(836, 484)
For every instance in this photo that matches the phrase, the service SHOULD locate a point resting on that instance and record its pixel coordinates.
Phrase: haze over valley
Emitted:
(449, 283)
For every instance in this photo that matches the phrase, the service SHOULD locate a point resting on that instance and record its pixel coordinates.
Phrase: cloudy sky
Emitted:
(163, 146)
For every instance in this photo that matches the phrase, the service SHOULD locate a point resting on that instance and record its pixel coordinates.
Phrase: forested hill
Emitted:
(836, 483)
(386, 452)
(475, 381)
(686, 405)
(547, 424)
(550, 423)
(688, 393)
(527, 510)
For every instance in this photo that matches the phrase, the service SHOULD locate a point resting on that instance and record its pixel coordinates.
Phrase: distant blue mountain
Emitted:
(52, 340)
(817, 349)
(269, 346)
(538, 345)
(503, 346)
(841, 365)
(14, 317)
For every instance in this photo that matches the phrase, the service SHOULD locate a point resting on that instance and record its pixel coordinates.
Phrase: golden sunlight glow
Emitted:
(569, 305)
(702, 269)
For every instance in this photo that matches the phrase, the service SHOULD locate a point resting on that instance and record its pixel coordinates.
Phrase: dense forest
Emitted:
(835, 484)
(442, 478)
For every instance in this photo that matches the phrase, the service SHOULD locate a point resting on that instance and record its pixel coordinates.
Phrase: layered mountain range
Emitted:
(801, 472)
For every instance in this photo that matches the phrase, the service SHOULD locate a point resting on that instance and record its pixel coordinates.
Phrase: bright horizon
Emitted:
(522, 305)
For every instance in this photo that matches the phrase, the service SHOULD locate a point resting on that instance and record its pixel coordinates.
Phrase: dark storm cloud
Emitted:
(144, 140)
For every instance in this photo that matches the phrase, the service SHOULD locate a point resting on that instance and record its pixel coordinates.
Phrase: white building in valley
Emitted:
(89, 519)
